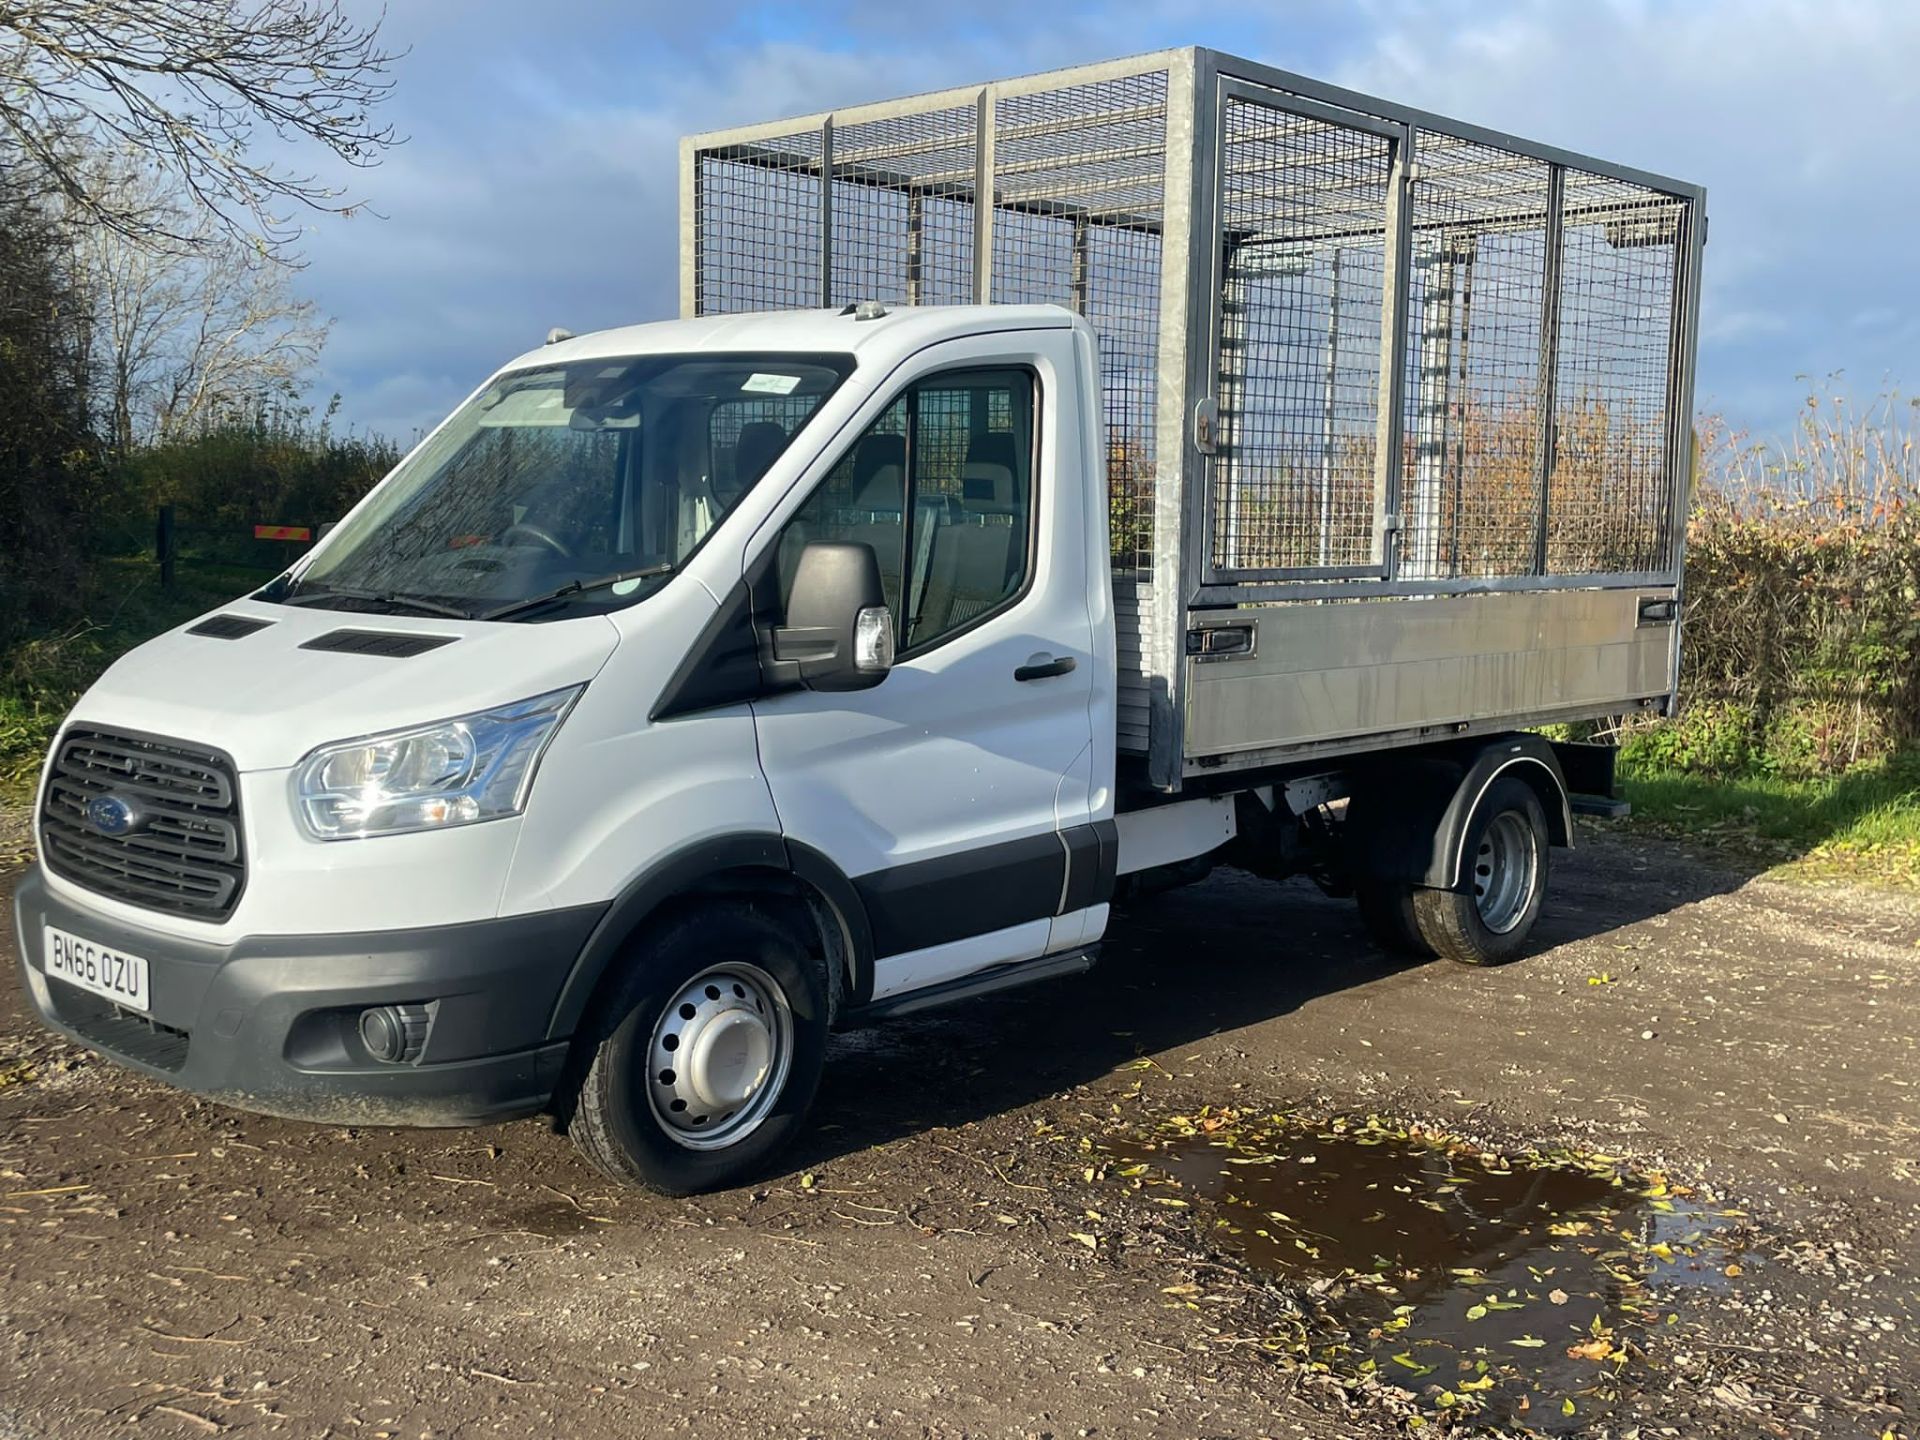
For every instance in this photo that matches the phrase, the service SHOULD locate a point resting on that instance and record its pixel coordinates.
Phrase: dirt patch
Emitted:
(166, 1265)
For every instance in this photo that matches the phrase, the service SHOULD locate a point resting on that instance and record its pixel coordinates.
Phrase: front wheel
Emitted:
(1504, 881)
(708, 1054)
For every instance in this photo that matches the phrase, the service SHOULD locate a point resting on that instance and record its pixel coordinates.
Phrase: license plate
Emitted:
(114, 974)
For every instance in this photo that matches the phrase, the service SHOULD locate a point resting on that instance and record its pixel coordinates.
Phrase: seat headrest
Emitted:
(993, 447)
(876, 453)
(884, 490)
(987, 489)
(759, 445)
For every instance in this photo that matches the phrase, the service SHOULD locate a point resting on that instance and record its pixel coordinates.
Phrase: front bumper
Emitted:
(270, 1023)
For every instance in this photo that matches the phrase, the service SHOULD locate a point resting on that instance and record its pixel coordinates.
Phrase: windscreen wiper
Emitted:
(302, 591)
(575, 587)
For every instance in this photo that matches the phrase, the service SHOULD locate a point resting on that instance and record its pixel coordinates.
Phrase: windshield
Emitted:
(585, 479)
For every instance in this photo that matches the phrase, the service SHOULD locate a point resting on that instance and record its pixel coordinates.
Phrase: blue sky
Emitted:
(538, 184)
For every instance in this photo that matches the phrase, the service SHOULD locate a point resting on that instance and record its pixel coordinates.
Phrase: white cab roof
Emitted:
(904, 328)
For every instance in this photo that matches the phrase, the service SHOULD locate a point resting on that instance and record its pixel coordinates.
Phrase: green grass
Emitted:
(42, 675)
(1863, 825)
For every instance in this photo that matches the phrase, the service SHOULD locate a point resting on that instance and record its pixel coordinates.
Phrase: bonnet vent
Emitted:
(227, 627)
(394, 644)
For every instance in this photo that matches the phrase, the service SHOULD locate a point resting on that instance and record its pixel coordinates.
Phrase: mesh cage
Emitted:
(1079, 186)
(1079, 196)
(1475, 306)
(902, 208)
(1442, 359)
(1304, 234)
(1611, 489)
(1533, 364)
(757, 243)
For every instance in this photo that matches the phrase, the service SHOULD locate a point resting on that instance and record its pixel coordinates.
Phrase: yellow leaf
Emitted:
(1090, 1241)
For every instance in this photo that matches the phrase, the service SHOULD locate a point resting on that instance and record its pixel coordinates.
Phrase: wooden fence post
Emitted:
(163, 545)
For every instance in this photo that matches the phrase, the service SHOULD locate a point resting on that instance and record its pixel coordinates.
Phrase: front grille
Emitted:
(184, 854)
(121, 1031)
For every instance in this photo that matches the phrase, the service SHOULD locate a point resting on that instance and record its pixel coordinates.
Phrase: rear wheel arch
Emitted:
(1411, 814)
(1538, 770)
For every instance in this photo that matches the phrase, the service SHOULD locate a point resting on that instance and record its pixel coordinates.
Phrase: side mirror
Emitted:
(839, 632)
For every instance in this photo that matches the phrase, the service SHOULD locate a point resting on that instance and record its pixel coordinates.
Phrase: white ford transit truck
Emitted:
(1052, 488)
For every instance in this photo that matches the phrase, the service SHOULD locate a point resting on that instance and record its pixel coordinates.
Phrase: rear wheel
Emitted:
(1504, 881)
(1386, 906)
(708, 1054)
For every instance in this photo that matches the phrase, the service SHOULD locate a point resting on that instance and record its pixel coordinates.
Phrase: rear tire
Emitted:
(1386, 907)
(707, 1054)
(1504, 883)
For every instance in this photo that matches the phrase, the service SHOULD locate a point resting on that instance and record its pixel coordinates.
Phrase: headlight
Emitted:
(456, 772)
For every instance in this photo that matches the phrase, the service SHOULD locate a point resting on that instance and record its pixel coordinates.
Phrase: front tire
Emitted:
(707, 1055)
(1487, 921)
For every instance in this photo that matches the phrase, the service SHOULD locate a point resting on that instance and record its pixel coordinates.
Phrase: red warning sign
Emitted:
(282, 532)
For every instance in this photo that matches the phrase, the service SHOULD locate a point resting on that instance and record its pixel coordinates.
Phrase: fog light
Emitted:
(394, 1033)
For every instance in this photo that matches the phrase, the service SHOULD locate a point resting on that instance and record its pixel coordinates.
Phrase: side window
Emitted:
(863, 499)
(941, 486)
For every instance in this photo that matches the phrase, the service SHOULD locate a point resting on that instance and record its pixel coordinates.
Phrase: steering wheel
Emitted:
(539, 535)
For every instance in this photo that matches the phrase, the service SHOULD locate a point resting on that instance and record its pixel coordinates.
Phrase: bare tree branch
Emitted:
(187, 328)
(190, 86)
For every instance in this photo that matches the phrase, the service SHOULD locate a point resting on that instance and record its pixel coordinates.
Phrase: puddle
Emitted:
(1514, 1291)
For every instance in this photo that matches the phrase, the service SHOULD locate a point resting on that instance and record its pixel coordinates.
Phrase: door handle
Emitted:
(1039, 668)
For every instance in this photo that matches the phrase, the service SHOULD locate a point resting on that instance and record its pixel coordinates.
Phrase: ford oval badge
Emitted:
(112, 815)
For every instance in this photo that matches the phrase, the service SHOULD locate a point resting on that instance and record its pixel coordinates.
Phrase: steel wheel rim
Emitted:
(1506, 868)
(719, 1056)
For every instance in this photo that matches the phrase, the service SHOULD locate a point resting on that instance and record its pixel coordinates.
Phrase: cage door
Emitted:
(1301, 480)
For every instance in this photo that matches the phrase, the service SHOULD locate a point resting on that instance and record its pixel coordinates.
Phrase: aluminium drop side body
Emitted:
(700, 685)
(1351, 352)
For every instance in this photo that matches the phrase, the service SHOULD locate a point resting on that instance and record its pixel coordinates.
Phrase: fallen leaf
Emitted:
(1528, 1342)
(1558, 1297)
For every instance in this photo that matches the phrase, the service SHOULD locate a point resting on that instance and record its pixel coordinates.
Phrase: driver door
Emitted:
(956, 793)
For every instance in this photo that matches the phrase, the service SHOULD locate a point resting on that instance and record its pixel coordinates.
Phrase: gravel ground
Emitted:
(922, 1265)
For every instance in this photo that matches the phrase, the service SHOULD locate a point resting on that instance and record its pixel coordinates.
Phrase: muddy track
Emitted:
(171, 1268)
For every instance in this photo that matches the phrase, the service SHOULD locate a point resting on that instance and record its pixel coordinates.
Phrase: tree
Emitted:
(189, 86)
(189, 322)
(48, 473)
